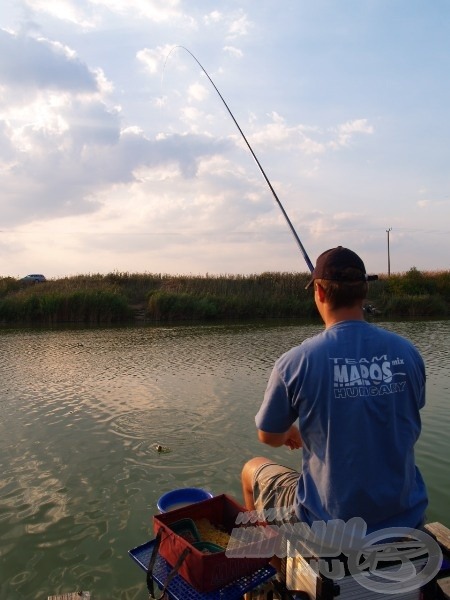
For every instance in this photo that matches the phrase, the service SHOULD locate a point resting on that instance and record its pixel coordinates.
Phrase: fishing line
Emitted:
(294, 233)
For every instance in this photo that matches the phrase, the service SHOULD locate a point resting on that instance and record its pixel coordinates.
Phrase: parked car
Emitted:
(34, 278)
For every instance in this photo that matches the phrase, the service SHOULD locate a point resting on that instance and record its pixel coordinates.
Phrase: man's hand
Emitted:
(290, 438)
(293, 439)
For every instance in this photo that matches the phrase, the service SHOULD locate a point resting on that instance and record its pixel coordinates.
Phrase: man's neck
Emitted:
(331, 317)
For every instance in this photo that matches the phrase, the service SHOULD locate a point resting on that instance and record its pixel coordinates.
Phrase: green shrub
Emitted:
(413, 283)
(416, 306)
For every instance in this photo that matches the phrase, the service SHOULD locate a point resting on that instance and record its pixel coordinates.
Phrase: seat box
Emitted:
(206, 572)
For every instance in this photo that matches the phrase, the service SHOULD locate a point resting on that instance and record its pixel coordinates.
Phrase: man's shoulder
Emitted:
(392, 336)
(307, 346)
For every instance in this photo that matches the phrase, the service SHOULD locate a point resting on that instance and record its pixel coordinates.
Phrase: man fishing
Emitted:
(355, 390)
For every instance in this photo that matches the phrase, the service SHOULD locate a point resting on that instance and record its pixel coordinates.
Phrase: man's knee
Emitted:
(248, 470)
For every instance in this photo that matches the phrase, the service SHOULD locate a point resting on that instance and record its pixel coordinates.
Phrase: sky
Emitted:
(118, 155)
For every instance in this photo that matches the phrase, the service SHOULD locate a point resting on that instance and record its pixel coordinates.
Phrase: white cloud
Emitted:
(64, 10)
(423, 203)
(42, 118)
(231, 24)
(307, 139)
(59, 48)
(191, 115)
(145, 173)
(346, 131)
(88, 14)
(235, 52)
(197, 92)
(239, 25)
(155, 10)
(433, 203)
(167, 58)
(154, 59)
(213, 17)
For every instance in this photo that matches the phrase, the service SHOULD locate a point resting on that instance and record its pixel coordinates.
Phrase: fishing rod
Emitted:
(294, 233)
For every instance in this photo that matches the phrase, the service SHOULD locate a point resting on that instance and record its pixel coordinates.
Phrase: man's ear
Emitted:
(320, 292)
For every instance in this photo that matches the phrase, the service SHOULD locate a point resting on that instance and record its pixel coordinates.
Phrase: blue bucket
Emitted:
(181, 497)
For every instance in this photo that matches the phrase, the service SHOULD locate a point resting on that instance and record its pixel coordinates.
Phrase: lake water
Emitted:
(81, 411)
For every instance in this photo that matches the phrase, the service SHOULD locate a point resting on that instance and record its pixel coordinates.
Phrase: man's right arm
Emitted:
(290, 438)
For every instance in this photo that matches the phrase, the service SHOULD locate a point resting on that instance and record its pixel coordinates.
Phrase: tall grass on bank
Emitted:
(92, 307)
(118, 297)
(268, 295)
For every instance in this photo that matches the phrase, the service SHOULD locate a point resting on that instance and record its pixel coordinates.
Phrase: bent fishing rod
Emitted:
(294, 233)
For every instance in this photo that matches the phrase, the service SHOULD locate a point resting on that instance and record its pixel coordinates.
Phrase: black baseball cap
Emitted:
(340, 264)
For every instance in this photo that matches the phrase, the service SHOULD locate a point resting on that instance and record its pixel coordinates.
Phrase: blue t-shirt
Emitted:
(356, 390)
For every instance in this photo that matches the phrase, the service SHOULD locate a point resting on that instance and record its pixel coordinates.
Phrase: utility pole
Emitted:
(389, 253)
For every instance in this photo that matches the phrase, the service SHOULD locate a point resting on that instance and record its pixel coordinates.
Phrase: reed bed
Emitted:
(121, 296)
(56, 303)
